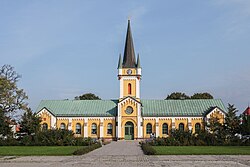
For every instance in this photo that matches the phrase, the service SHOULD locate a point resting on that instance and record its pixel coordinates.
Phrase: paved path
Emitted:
(127, 154)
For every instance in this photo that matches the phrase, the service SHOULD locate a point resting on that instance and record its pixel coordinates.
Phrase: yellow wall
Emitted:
(105, 128)
(196, 120)
(145, 122)
(64, 120)
(181, 120)
(46, 118)
(90, 122)
(131, 117)
(124, 121)
(74, 122)
(218, 115)
(133, 87)
(161, 122)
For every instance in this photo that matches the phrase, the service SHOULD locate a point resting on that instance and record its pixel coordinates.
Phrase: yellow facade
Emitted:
(178, 121)
(126, 83)
(90, 123)
(168, 121)
(218, 115)
(148, 121)
(74, 123)
(105, 126)
(62, 121)
(46, 118)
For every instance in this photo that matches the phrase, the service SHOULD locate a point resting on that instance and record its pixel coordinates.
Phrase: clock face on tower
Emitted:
(129, 71)
(129, 110)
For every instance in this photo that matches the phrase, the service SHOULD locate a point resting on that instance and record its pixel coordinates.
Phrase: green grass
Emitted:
(37, 150)
(202, 150)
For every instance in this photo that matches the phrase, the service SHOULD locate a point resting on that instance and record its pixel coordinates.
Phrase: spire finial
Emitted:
(120, 62)
(138, 65)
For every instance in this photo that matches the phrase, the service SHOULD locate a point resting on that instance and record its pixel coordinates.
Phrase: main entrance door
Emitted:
(129, 131)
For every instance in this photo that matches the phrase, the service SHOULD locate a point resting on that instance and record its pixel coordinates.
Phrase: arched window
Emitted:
(181, 127)
(109, 129)
(45, 126)
(129, 88)
(78, 128)
(197, 127)
(62, 126)
(165, 129)
(149, 128)
(93, 128)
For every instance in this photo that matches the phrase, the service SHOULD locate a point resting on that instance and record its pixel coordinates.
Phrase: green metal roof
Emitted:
(179, 107)
(84, 108)
(94, 108)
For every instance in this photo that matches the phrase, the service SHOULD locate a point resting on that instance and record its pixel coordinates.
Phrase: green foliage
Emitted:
(177, 96)
(202, 96)
(11, 97)
(55, 137)
(30, 122)
(37, 150)
(245, 126)
(183, 96)
(5, 129)
(202, 150)
(232, 121)
(85, 150)
(147, 149)
(87, 96)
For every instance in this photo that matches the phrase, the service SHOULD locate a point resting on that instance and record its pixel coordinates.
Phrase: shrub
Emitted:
(87, 149)
(148, 149)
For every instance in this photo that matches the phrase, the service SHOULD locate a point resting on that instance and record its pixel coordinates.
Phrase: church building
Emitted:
(128, 117)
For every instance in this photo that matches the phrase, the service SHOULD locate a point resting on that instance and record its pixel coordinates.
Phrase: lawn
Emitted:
(202, 150)
(38, 150)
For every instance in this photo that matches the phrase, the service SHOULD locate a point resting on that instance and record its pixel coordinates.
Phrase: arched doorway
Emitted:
(129, 131)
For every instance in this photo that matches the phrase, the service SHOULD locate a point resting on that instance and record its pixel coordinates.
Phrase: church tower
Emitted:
(129, 70)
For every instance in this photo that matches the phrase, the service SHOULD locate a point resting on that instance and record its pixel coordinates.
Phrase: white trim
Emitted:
(121, 88)
(85, 128)
(101, 127)
(213, 111)
(189, 123)
(119, 121)
(138, 71)
(70, 124)
(157, 132)
(137, 94)
(119, 71)
(139, 120)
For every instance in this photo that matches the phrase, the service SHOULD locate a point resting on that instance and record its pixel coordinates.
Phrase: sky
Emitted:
(65, 48)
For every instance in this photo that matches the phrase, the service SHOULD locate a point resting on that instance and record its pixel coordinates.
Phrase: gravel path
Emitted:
(127, 154)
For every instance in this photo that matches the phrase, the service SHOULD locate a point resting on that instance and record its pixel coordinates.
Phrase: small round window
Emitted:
(129, 110)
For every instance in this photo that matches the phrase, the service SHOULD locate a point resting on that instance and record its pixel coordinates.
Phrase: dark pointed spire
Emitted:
(120, 62)
(138, 65)
(129, 53)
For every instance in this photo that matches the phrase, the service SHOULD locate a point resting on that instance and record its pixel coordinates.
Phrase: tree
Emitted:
(11, 97)
(177, 96)
(5, 129)
(30, 122)
(245, 126)
(87, 96)
(202, 96)
(232, 121)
